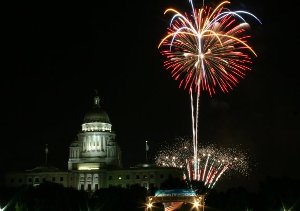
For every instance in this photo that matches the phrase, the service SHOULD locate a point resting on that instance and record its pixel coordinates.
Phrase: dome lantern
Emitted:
(96, 114)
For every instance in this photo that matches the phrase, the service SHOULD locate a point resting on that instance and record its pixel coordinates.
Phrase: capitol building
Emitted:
(95, 161)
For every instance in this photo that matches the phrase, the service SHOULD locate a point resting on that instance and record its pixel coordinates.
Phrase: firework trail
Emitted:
(207, 50)
(212, 162)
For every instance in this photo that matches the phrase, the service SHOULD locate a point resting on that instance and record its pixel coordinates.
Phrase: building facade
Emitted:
(95, 147)
(95, 161)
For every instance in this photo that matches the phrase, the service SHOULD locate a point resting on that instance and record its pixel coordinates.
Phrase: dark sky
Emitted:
(56, 55)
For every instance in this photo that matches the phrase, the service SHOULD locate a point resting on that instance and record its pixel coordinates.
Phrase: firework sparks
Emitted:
(212, 162)
(206, 50)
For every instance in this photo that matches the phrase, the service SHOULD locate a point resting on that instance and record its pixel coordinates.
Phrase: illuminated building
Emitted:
(95, 146)
(94, 161)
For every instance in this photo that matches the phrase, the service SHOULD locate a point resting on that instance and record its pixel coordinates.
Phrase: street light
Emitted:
(149, 206)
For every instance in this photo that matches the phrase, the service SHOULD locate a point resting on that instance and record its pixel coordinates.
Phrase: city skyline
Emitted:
(57, 57)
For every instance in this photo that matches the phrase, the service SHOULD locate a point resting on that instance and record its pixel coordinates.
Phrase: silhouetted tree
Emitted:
(173, 183)
(279, 194)
(47, 196)
(117, 198)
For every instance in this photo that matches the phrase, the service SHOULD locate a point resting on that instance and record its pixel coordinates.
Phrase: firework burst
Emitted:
(212, 162)
(206, 50)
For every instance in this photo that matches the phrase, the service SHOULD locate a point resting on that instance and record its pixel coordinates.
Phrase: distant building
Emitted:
(94, 161)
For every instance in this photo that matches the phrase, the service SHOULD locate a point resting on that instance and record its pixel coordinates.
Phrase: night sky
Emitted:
(57, 55)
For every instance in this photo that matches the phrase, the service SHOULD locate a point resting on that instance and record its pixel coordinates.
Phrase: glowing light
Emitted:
(88, 166)
(196, 204)
(96, 126)
(149, 205)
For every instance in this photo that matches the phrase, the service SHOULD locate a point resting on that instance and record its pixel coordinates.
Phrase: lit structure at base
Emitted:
(173, 199)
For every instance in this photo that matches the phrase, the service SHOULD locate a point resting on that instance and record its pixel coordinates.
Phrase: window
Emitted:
(89, 187)
(151, 176)
(96, 187)
(137, 176)
(36, 179)
(53, 179)
(145, 176)
(82, 187)
(61, 179)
